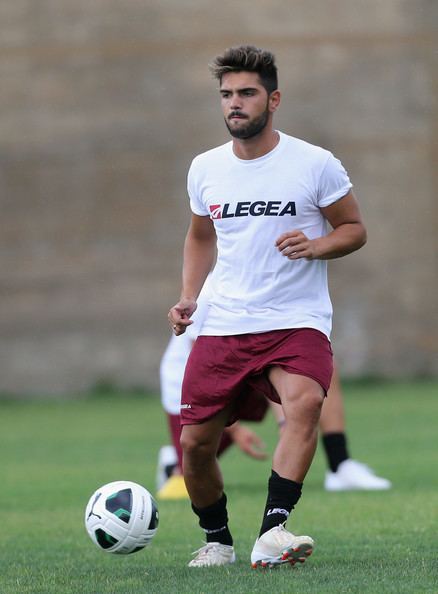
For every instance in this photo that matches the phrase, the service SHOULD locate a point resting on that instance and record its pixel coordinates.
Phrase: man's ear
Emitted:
(274, 100)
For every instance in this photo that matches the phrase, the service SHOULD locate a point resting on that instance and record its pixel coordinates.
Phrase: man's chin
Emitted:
(241, 132)
(248, 129)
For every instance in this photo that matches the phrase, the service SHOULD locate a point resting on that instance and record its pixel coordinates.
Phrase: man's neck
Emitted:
(253, 148)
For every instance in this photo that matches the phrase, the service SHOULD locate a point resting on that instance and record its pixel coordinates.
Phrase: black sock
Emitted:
(214, 521)
(283, 494)
(335, 447)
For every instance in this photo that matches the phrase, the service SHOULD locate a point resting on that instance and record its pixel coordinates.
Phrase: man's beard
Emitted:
(252, 128)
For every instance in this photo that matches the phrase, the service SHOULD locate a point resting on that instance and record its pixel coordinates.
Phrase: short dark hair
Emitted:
(247, 58)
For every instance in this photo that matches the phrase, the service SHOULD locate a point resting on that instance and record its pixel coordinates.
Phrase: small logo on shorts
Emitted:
(186, 406)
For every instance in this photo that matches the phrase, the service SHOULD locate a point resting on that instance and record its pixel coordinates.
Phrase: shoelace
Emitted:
(282, 535)
(208, 548)
(363, 466)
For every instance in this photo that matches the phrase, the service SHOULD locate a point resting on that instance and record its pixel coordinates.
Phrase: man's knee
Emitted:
(315, 402)
(196, 443)
(306, 402)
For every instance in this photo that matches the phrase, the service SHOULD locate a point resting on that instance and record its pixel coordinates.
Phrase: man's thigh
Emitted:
(297, 392)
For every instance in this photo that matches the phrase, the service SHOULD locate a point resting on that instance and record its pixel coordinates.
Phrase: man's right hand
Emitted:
(179, 315)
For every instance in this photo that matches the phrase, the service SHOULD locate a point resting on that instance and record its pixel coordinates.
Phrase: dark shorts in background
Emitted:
(225, 369)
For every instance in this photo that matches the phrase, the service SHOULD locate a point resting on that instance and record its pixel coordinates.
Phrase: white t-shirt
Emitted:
(174, 359)
(251, 203)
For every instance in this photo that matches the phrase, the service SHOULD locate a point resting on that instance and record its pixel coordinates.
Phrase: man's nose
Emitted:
(236, 102)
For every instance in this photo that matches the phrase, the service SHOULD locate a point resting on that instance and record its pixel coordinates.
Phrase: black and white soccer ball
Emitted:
(121, 517)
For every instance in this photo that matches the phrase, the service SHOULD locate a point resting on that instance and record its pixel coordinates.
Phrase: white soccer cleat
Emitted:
(213, 553)
(278, 546)
(167, 459)
(355, 476)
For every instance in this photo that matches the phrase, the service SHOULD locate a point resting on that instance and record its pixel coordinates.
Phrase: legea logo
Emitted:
(271, 208)
(215, 210)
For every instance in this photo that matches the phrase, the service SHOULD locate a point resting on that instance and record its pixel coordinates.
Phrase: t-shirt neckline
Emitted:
(264, 157)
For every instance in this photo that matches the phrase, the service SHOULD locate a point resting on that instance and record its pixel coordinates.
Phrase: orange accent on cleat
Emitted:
(264, 564)
(254, 565)
(285, 556)
(301, 559)
(308, 553)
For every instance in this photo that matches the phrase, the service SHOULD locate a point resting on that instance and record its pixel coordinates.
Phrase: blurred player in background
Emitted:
(344, 474)
(170, 482)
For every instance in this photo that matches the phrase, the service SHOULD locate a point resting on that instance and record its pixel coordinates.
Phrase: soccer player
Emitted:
(264, 201)
(344, 473)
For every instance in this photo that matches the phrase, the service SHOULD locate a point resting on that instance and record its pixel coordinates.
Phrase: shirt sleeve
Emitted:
(195, 194)
(334, 182)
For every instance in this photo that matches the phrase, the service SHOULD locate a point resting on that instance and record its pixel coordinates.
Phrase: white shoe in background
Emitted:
(174, 488)
(352, 475)
(167, 459)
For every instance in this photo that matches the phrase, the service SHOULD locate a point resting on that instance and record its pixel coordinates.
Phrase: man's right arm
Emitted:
(199, 256)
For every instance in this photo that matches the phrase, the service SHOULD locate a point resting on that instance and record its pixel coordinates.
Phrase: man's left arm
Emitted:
(348, 234)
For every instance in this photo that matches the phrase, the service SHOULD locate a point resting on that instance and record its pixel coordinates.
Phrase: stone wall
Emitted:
(102, 107)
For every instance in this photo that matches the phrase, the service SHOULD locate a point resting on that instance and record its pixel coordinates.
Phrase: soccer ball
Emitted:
(121, 517)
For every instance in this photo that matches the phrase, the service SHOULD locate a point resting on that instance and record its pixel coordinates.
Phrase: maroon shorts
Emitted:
(234, 369)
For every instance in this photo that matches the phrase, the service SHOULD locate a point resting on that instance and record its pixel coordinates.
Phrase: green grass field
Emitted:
(55, 454)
